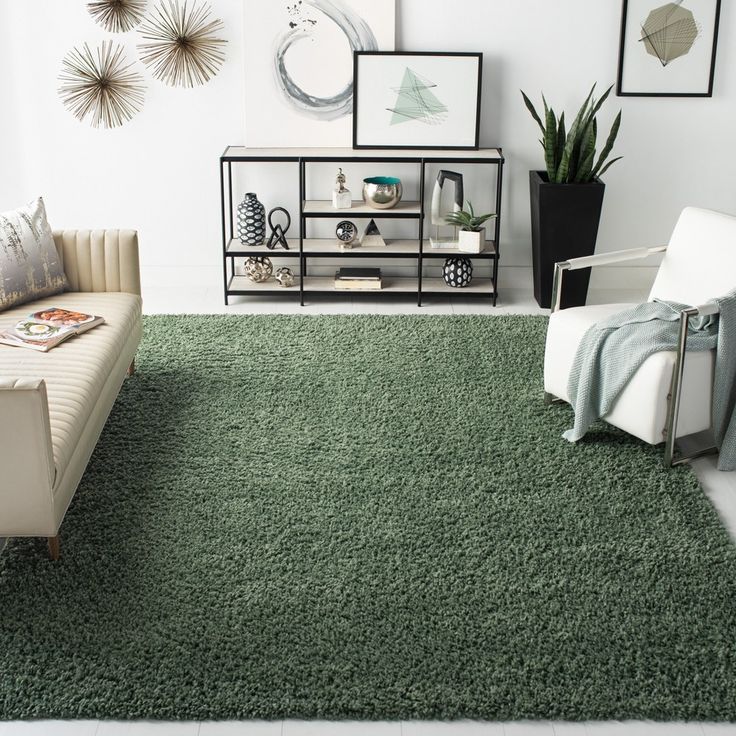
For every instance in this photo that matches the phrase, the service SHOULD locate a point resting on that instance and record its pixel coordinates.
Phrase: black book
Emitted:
(370, 274)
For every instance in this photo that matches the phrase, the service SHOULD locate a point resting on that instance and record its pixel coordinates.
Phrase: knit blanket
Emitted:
(612, 350)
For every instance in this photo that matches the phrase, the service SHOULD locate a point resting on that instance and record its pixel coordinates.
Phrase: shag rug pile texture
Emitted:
(367, 518)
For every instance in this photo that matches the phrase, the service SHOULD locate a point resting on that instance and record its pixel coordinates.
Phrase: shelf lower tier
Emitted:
(328, 247)
(390, 285)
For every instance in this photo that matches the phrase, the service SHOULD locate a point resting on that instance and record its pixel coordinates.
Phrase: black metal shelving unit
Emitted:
(413, 248)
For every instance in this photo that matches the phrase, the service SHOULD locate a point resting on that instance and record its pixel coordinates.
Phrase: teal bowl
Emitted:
(382, 192)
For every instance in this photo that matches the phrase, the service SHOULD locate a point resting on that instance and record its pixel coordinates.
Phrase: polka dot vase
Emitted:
(251, 221)
(457, 272)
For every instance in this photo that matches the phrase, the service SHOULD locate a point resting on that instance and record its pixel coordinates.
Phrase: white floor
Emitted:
(161, 299)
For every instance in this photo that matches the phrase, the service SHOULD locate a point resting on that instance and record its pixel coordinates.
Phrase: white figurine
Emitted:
(341, 197)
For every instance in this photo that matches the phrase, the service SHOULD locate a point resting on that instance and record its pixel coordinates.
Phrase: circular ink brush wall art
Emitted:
(668, 49)
(299, 67)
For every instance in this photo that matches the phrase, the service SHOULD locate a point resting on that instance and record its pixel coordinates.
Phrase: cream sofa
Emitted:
(54, 405)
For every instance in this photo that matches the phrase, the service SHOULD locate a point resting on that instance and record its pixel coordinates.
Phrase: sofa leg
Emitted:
(131, 368)
(54, 548)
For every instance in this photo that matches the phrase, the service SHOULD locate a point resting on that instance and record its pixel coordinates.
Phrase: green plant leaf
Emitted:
(608, 165)
(550, 143)
(533, 111)
(560, 147)
(597, 171)
(586, 156)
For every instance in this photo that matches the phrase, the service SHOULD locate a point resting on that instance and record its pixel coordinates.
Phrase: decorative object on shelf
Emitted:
(251, 220)
(382, 192)
(668, 49)
(180, 43)
(346, 232)
(437, 216)
(341, 197)
(278, 233)
(417, 100)
(458, 272)
(472, 235)
(299, 66)
(372, 236)
(117, 16)
(565, 218)
(99, 85)
(258, 268)
(361, 279)
(285, 277)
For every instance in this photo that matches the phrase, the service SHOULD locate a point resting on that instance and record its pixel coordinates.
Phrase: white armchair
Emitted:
(669, 397)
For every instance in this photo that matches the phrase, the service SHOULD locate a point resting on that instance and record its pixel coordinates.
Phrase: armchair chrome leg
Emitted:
(551, 399)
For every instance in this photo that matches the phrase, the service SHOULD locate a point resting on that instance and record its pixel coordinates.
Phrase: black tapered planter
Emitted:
(565, 221)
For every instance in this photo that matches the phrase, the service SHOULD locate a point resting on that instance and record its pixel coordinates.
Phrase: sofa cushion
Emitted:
(75, 372)
(30, 266)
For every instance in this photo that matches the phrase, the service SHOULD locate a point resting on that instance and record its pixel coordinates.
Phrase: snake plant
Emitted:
(570, 155)
(467, 219)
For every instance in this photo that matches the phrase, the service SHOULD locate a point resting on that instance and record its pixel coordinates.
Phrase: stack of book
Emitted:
(358, 278)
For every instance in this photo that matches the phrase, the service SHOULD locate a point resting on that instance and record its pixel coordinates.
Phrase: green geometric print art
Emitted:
(416, 101)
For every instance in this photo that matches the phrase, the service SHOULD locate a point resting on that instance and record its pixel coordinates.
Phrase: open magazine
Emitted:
(47, 328)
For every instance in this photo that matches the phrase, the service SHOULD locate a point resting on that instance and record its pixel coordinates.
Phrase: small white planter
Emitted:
(470, 242)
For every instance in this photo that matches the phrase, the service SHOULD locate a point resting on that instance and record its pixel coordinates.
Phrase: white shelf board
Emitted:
(434, 285)
(359, 208)
(388, 283)
(342, 154)
(329, 245)
(243, 283)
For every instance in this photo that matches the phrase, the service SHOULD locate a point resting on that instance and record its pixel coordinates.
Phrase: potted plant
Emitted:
(472, 235)
(567, 198)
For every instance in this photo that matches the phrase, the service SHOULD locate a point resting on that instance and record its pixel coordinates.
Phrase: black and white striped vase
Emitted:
(251, 221)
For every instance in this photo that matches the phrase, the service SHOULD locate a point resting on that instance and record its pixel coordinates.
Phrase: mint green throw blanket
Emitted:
(614, 349)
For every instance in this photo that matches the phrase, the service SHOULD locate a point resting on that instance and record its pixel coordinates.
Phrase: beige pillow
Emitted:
(30, 267)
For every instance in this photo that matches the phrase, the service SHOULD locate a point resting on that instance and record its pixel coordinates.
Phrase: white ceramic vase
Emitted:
(471, 242)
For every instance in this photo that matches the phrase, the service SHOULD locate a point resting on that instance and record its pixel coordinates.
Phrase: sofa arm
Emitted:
(100, 260)
(26, 460)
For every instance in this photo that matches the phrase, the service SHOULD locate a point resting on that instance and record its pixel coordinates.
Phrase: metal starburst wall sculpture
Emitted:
(180, 46)
(117, 16)
(99, 85)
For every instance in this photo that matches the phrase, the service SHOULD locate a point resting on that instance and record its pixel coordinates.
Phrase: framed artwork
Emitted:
(417, 100)
(668, 49)
(299, 67)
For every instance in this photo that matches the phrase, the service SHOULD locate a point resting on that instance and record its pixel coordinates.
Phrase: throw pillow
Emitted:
(30, 267)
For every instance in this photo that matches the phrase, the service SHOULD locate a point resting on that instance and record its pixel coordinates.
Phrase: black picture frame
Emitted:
(620, 92)
(357, 55)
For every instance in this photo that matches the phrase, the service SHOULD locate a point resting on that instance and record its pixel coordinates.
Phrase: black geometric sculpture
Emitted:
(278, 233)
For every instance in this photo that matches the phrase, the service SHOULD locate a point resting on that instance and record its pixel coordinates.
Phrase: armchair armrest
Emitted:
(601, 259)
(26, 460)
(100, 260)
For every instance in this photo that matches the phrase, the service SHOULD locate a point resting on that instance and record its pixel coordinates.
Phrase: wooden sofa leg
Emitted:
(54, 548)
(131, 368)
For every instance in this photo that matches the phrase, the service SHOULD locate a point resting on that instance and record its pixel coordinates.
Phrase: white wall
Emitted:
(159, 173)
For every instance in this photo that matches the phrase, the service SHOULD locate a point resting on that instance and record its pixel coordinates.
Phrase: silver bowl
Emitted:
(382, 192)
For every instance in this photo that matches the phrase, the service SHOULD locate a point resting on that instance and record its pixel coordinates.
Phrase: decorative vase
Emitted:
(258, 269)
(251, 221)
(565, 221)
(382, 192)
(458, 272)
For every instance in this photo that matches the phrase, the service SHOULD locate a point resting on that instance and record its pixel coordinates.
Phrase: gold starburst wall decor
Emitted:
(100, 85)
(117, 16)
(181, 46)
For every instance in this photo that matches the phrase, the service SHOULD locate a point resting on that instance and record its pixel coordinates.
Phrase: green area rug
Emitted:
(367, 517)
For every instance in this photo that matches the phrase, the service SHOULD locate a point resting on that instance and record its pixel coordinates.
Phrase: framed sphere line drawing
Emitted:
(299, 67)
(668, 49)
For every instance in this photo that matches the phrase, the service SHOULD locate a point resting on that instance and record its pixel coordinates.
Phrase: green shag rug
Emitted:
(367, 518)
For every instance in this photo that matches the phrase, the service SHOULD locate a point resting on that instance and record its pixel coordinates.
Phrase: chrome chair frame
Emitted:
(675, 393)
